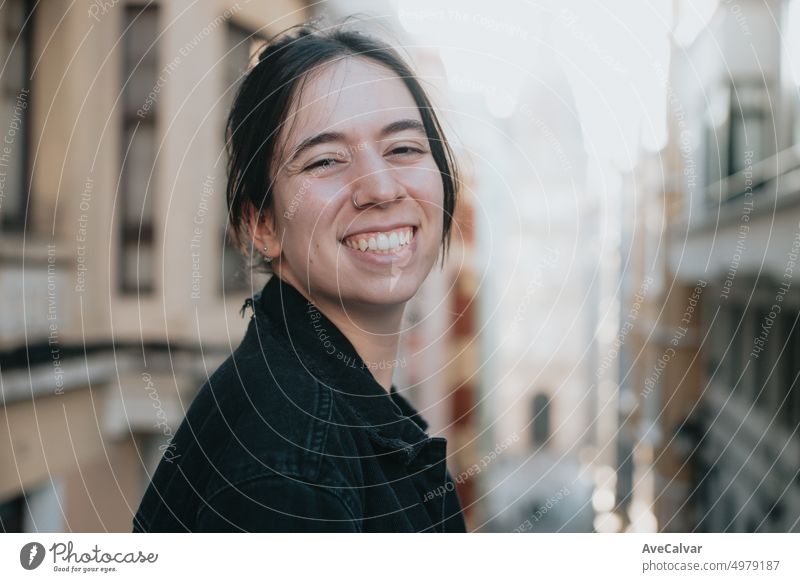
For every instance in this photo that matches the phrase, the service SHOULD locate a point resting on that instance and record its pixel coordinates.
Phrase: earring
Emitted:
(266, 258)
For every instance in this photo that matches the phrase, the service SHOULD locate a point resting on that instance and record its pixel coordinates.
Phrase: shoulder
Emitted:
(284, 457)
(261, 439)
(278, 503)
(274, 417)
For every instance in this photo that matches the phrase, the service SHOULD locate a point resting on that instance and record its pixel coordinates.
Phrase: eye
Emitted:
(323, 164)
(406, 150)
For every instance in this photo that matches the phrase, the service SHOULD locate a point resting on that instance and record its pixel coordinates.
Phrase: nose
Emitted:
(377, 182)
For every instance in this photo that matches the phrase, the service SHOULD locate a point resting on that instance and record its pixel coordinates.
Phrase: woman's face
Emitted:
(356, 132)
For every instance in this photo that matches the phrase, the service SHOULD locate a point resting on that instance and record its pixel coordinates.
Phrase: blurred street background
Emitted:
(612, 346)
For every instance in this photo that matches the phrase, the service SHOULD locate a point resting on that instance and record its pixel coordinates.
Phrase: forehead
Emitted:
(353, 96)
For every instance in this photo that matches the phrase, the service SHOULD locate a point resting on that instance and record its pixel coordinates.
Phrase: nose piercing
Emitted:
(356, 203)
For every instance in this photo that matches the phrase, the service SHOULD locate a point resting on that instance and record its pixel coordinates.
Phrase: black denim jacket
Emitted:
(293, 433)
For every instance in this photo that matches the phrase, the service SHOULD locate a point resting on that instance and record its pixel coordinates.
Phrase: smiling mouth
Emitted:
(381, 243)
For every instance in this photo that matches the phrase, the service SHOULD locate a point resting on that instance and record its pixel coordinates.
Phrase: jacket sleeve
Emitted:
(275, 503)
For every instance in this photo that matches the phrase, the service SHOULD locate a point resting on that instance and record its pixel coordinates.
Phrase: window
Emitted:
(762, 364)
(139, 143)
(789, 413)
(541, 420)
(750, 123)
(734, 364)
(715, 136)
(711, 353)
(241, 46)
(713, 160)
(12, 514)
(36, 509)
(792, 63)
(16, 29)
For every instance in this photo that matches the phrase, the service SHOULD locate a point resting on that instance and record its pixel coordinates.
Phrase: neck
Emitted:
(374, 333)
(375, 337)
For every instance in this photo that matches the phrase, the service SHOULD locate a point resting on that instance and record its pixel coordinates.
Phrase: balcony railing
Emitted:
(779, 172)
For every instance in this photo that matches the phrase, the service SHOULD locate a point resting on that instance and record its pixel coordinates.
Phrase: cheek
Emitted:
(425, 183)
(432, 196)
(315, 223)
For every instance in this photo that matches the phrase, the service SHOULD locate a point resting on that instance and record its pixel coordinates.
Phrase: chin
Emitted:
(388, 292)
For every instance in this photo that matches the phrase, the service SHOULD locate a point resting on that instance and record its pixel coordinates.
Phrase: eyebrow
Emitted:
(334, 136)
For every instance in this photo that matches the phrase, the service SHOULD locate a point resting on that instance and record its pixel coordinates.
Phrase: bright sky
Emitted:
(614, 54)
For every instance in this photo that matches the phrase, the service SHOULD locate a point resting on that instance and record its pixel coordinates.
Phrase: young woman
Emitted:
(341, 179)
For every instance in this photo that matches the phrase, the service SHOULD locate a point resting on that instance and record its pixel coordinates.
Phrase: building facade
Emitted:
(118, 291)
(713, 402)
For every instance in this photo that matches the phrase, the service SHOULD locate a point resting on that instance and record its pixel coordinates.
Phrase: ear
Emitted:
(262, 231)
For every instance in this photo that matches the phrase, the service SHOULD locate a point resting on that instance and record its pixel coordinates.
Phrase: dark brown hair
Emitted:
(263, 101)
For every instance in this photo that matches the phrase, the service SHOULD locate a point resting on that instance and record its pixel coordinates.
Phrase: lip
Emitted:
(398, 259)
(380, 228)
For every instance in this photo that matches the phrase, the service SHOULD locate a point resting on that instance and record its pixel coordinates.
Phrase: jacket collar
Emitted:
(324, 351)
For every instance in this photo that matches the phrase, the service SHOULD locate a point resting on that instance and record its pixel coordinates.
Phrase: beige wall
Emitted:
(77, 437)
(76, 144)
(50, 437)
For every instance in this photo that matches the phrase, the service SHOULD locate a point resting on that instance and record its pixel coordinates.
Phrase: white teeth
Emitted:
(382, 243)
